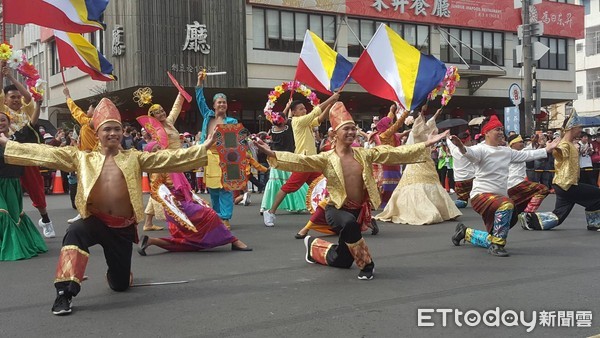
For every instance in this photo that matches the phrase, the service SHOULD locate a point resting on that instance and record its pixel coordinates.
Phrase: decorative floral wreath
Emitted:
(143, 96)
(447, 86)
(275, 117)
(16, 59)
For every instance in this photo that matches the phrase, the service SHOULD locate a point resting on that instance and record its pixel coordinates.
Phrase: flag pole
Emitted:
(62, 73)
(3, 22)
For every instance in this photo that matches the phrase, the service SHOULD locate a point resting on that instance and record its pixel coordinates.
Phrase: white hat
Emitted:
(47, 136)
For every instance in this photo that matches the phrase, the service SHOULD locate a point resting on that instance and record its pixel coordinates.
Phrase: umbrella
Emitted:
(154, 128)
(476, 121)
(48, 126)
(446, 124)
(590, 121)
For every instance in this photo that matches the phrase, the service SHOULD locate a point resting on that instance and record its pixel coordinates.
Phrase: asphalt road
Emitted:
(273, 292)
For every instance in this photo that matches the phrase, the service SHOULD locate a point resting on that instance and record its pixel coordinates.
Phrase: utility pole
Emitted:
(527, 113)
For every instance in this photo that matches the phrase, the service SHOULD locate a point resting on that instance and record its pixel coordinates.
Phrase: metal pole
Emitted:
(527, 113)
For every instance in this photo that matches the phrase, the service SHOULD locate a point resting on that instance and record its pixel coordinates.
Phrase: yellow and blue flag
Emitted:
(393, 69)
(81, 16)
(320, 66)
(75, 51)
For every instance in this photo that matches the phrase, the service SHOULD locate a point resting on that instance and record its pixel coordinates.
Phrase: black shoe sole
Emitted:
(457, 232)
(62, 312)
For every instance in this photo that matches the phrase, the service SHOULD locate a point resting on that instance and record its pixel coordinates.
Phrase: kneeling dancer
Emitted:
(566, 184)
(109, 198)
(489, 196)
(352, 188)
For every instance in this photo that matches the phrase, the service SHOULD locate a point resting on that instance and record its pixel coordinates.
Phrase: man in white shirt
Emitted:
(464, 171)
(489, 196)
(526, 195)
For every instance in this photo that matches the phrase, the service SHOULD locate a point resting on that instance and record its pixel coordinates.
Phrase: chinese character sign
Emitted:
(560, 19)
(512, 120)
(118, 46)
(195, 38)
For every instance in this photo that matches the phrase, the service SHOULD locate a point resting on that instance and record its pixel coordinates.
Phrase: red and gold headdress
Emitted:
(339, 116)
(105, 111)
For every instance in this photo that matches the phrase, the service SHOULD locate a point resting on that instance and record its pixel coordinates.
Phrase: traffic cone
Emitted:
(145, 183)
(57, 186)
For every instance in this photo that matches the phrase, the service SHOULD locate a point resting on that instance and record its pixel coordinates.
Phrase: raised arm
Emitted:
(176, 109)
(326, 106)
(78, 114)
(36, 113)
(200, 99)
(394, 127)
(24, 92)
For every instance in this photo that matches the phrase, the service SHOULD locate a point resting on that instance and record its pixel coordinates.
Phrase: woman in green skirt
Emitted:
(19, 238)
(282, 139)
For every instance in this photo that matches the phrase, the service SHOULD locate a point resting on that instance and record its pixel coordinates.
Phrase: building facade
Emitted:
(257, 42)
(588, 63)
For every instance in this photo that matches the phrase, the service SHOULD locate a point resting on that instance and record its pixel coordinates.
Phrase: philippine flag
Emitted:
(75, 51)
(393, 69)
(320, 66)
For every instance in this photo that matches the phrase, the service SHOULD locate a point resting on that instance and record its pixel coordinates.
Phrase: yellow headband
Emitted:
(516, 140)
(154, 108)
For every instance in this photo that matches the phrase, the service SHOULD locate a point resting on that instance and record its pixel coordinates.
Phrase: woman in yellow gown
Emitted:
(419, 198)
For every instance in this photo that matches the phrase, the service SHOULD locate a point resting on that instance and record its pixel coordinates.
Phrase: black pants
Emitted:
(586, 176)
(117, 245)
(256, 182)
(586, 195)
(349, 230)
(72, 194)
(442, 173)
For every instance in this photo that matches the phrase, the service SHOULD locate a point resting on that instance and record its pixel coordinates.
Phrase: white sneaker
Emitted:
(48, 229)
(247, 200)
(244, 199)
(269, 218)
(452, 191)
(72, 220)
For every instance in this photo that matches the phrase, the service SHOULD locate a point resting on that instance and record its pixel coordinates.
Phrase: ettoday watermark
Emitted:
(508, 318)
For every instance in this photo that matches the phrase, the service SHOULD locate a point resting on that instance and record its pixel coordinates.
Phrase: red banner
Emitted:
(560, 19)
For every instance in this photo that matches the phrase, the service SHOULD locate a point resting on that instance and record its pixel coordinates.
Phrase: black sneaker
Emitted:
(62, 304)
(593, 228)
(374, 227)
(459, 234)
(367, 272)
(307, 242)
(497, 250)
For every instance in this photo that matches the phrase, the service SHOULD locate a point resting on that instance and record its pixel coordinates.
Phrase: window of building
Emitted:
(284, 30)
(55, 68)
(482, 44)
(586, 6)
(592, 40)
(415, 35)
(556, 57)
(592, 83)
(579, 90)
(579, 47)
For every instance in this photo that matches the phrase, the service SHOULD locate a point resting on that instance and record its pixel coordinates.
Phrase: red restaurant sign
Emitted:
(560, 19)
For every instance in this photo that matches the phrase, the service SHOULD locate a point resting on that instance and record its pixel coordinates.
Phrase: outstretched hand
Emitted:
(201, 77)
(264, 148)
(551, 145)
(458, 143)
(209, 141)
(433, 138)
